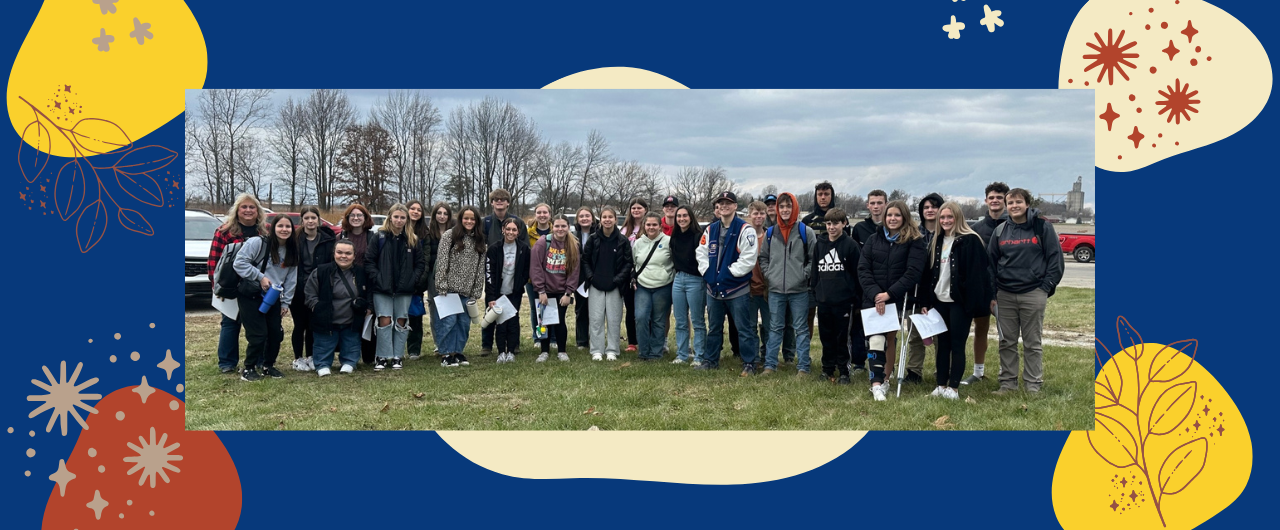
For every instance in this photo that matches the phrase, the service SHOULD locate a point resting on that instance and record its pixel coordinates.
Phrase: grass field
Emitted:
(627, 394)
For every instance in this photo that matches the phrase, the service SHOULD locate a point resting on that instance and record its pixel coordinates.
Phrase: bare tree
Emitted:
(413, 123)
(556, 170)
(251, 168)
(490, 145)
(229, 115)
(699, 185)
(288, 146)
(365, 167)
(328, 113)
(622, 180)
(595, 154)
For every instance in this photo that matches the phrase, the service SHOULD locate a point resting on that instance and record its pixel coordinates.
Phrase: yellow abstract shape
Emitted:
(93, 95)
(595, 454)
(615, 77)
(1169, 450)
(1218, 59)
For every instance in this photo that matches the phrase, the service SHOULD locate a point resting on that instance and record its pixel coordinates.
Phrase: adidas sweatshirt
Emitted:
(833, 274)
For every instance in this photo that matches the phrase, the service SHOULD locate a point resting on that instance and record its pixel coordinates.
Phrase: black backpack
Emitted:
(226, 283)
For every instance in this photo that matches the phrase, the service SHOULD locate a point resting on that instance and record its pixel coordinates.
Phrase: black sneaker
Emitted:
(844, 379)
(857, 368)
(448, 360)
(380, 364)
(397, 363)
(271, 371)
(484, 352)
(227, 369)
(830, 376)
(461, 359)
(913, 377)
(703, 366)
(251, 375)
(748, 370)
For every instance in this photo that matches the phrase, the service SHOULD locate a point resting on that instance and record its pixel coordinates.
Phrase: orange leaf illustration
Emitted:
(69, 188)
(141, 187)
(1171, 408)
(1113, 441)
(1129, 338)
(133, 220)
(99, 136)
(31, 160)
(145, 159)
(91, 225)
(1183, 465)
(1168, 365)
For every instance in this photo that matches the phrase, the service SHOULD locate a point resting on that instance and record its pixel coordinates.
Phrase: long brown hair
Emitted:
(435, 229)
(570, 244)
(630, 224)
(273, 242)
(419, 228)
(231, 225)
(909, 230)
(476, 234)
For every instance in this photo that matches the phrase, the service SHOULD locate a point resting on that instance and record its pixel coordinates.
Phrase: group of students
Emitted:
(772, 270)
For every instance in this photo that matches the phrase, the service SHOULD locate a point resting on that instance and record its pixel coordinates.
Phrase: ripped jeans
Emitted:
(392, 337)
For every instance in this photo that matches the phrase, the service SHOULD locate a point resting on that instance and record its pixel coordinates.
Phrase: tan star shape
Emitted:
(62, 477)
(97, 504)
(144, 390)
(168, 364)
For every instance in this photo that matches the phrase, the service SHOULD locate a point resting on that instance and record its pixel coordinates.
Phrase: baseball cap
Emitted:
(672, 200)
(726, 195)
(770, 198)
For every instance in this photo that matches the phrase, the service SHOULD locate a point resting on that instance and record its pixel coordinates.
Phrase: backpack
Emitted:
(768, 238)
(1037, 225)
(226, 283)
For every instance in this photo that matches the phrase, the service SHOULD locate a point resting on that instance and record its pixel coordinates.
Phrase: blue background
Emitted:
(1162, 266)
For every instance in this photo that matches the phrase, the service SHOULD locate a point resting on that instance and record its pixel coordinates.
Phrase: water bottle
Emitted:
(540, 332)
(270, 298)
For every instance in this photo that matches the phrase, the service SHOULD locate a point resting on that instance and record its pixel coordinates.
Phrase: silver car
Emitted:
(200, 228)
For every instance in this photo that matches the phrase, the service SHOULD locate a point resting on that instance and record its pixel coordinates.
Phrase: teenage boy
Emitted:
(876, 202)
(784, 259)
(1028, 267)
(726, 255)
(985, 227)
(928, 211)
(833, 277)
(788, 336)
(500, 200)
(771, 204)
(669, 206)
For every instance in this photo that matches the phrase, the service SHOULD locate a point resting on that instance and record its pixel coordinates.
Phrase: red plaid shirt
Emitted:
(221, 239)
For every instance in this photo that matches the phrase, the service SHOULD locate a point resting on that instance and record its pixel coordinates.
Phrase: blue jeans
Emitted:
(779, 304)
(760, 308)
(739, 310)
(653, 308)
(689, 296)
(229, 343)
(454, 330)
(345, 338)
(391, 338)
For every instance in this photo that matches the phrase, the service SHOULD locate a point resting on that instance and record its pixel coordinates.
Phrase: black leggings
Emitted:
(559, 332)
(582, 326)
(302, 338)
(263, 331)
(629, 300)
(951, 344)
(506, 336)
(833, 329)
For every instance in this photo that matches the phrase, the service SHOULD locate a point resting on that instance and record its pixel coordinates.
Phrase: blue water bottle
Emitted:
(270, 298)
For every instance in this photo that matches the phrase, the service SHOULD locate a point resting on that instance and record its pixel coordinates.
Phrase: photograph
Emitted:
(469, 259)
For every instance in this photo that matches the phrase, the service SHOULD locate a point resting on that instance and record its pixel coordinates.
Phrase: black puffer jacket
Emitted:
(895, 268)
(392, 266)
(430, 251)
(493, 270)
(972, 285)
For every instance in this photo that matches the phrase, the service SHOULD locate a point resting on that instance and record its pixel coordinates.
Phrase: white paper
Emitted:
(582, 290)
(367, 334)
(551, 313)
(508, 311)
(228, 307)
(930, 324)
(448, 304)
(875, 324)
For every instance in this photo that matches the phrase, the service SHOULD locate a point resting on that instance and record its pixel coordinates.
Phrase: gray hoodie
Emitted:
(783, 263)
(252, 254)
(1023, 261)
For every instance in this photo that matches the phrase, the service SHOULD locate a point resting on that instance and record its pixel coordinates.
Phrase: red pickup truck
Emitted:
(1079, 245)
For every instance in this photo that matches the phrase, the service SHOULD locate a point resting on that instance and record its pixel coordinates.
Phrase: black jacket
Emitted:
(393, 267)
(862, 231)
(684, 249)
(972, 285)
(890, 267)
(493, 270)
(598, 248)
(430, 249)
(325, 241)
(322, 313)
(987, 226)
(817, 219)
(833, 274)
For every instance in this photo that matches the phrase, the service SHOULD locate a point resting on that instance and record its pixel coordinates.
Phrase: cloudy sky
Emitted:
(953, 142)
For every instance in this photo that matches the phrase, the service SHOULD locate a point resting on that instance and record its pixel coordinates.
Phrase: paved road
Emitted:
(1077, 274)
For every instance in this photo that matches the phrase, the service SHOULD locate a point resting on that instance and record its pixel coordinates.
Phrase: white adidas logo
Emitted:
(831, 262)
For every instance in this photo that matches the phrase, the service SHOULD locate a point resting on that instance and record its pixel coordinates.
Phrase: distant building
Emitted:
(1075, 197)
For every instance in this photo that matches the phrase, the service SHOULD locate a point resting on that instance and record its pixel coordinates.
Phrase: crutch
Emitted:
(904, 336)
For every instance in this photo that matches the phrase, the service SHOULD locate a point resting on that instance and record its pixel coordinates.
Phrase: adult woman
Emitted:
(540, 226)
(244, 220)
(266, 262)
(606, 261)
(892, 261)
(460, 271)
(688, 290)
(357, 223)
(441, 220)
(506, 270)
(315, 246)
(337, 295)
(631, 228)
(418, 222)
(553, 270)
(393, 263)
(959, 285)
(651, 256)
(583, 227)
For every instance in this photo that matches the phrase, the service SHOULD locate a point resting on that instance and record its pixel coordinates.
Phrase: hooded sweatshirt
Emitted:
(988, 224)
(782, 254)
(833, 274)
(549, 267)
(817, 218)
(606, 260)
(1023, 261)
(924, 229)
(863, 230)
(253, 255)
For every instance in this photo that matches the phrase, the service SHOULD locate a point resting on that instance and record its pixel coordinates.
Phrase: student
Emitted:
(784, 258)
(876, 199)
(726, 255)
(357, 224)
(506, 272)
(584, 225)
(788, 335)
(606, 262)
(688, 291)
(418, 224)
(541, 226)
(553, 270)
(491, 229)
(928, 210)
(631, 229)
(460, 271)
(981, 325)
(266, 262)
(441, 220)
(958, 284)
(244, 220)
(651, 256)
(315, 246)
(833, 277)
(891, 264)
(771, 203)
(758, 310)
(337, 296)
(393, 263)
(669, 206)
(1028, 266)
(824, 198)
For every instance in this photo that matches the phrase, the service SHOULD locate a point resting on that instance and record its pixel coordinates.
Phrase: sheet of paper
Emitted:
(448, 304)
(930, 324)
(367, 334)
(551, 314)
(874, 323)
(508, 311)
(228, 307)
(583, 290)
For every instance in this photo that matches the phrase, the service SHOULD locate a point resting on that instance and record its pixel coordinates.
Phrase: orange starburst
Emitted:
(1111, 55)
(1177, 102)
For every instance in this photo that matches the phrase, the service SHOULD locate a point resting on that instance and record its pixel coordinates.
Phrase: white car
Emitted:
(199, 236)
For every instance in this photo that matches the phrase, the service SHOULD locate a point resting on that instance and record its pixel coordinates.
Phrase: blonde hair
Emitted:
(909, 230)
(231, 225)
(960, 228)
(408, 229)
(757, 206)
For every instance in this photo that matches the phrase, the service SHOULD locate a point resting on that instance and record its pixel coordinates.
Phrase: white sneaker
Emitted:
(311, 363)
(877, 391)
(322, 372)
(298, 365)
(564, 356)
(596, 357)
(543, 357)
(415, 357)
(346, 369)
(695, 364)
(678, 361)
(950, 393)
(611, 356)
(938, 392)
